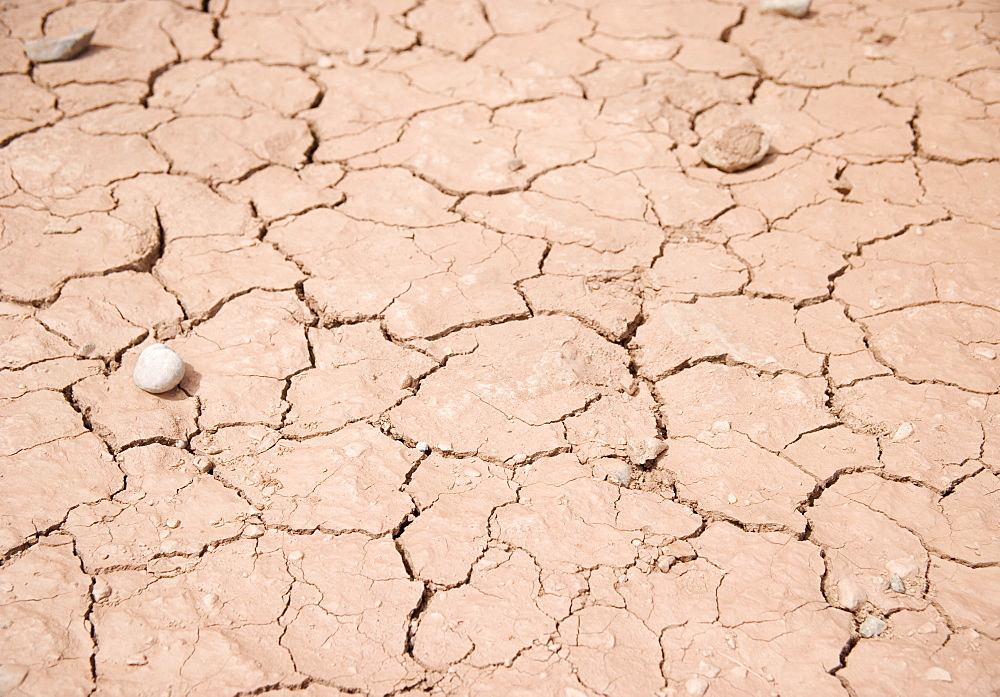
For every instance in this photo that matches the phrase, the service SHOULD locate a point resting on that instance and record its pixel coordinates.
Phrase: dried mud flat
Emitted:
(492, 387)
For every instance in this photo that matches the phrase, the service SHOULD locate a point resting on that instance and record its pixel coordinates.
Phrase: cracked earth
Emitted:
(681, 432)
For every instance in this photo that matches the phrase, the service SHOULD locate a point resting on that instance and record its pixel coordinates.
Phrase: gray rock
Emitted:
(735, 147)
(60, 48)
(792, 8)
(159, 369)
(896, 583)
(872, 626)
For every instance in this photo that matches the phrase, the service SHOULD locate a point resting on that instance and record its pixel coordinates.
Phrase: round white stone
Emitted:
(158, 369)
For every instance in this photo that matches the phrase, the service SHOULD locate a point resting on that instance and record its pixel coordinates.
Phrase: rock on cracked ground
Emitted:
(681, 432)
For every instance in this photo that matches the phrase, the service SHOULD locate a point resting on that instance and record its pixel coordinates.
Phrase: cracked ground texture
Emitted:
(689, 432)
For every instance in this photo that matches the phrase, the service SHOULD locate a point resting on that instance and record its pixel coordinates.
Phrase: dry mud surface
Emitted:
(492, 387)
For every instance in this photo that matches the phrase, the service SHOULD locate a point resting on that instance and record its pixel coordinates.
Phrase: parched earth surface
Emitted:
(492, 387)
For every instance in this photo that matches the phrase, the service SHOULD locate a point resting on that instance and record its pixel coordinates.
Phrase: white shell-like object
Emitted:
(158, 369)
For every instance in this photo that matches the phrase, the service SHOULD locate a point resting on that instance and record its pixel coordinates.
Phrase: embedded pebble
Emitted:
(872, 626)
(173, 523)
(296, 556)
(986, 352)
(356, 57)
(136, 659)
(904, 431)
(852, 595)
(720, 427)
(423, 447)
(515, 164)
(101, 590)
(735, 147)
(324, 62)
(732, 498)
(896, 583)
(696, 686)
(253, 531)
(937, 674)
(792, 8)
(158, 369)
(60, 48)
(708, 670)
(210, 599)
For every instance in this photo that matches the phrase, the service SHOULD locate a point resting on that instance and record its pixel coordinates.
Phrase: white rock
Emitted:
(696, 686)
(253, 531)
(720, 427)
(423, 447)
(792, 8)
(101, 590)
(872, 626)
(903, 567)
(852, 595)
(937, 674)
(158, 369)
(708, 670)
(904, 431)
(60, 48)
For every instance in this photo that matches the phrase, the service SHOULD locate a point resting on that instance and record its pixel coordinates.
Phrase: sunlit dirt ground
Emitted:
(494, 388)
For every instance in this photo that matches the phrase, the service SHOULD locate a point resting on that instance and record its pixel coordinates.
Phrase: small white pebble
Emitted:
(210, 599)
(636, 542)
(731, 498)
(696, 686)
(708, 670)
(324, 62)
(356, 57)
(159, 369)
(445, 447)
(937, 674)
(720, 427)
(986, 352)
(904, 431)
(876, 304)
(253, 531)
(423, 447)
(295, 556)
(622, 579)
(173, 523)
(136, 659)
(101, 590)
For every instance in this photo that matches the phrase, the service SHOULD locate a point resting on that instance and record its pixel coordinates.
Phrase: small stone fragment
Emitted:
(937, 674)
(904, 431)
(159, 369)
(173, 523)
(295, 556)
(136, 659)
(324, 62)
(731, 498)
(852, 595)
(735, 147)
(423, 447)
(696, 686)
(986, 352)
(61, 48)
(101, 590)
(515, 164)
(356, 57)
(210, 599)
(896, 583)
(708, 670)
(872, 627)
(792, 8)
(720, 427)
(253, 531)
